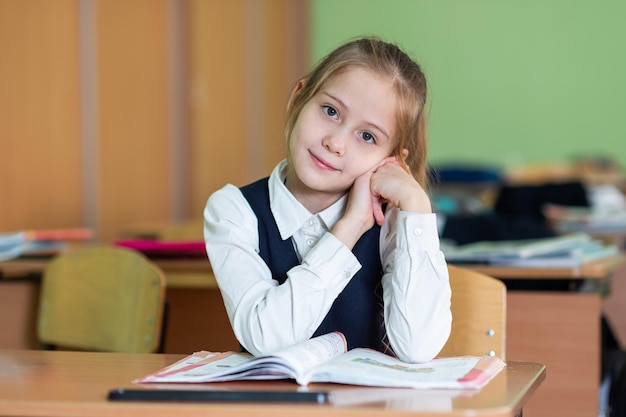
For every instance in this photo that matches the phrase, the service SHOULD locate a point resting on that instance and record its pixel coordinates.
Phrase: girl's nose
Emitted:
(335, 143)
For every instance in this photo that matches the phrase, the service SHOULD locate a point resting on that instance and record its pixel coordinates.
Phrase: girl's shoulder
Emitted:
(229, 202)
(229, 219)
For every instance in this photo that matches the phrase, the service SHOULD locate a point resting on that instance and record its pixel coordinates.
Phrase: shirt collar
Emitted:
(289, 214)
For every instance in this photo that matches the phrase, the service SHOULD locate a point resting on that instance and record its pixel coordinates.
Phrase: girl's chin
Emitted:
(320, 185)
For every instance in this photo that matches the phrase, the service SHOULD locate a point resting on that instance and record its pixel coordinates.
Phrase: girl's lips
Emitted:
(322, 164)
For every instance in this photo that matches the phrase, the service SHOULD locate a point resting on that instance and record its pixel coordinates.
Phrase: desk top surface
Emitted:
(45, 383)
(198, 273)
(598, 269)
(179, 272)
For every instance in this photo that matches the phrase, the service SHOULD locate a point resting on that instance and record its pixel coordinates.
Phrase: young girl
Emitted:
(342, 233)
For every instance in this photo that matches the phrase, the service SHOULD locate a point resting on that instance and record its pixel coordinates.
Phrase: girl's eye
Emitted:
(368, 137)
(330, 111)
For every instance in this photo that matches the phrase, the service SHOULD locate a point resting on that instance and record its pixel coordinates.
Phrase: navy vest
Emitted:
(356, 312)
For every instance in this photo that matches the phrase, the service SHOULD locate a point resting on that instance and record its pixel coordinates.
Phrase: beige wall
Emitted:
(117, 113)
(39, 115)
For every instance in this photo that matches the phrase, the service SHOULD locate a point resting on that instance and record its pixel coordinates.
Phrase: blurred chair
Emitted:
(478, 315)
(101, 299)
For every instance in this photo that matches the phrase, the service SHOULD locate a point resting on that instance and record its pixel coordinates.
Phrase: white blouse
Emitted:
(266, 316)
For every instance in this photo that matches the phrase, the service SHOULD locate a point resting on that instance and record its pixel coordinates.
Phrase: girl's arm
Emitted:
(416, 289)
(266, 316)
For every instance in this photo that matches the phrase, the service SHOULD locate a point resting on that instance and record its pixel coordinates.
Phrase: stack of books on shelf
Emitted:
(568, 250)
(40, 242)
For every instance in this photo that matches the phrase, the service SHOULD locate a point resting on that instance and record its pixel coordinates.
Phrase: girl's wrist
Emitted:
(349, 232)
(416, 205)
(416, 202)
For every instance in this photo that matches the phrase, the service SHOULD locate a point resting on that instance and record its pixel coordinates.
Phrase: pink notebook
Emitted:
(169, 248)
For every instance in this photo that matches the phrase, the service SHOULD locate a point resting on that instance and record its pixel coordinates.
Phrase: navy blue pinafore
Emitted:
(356, 312)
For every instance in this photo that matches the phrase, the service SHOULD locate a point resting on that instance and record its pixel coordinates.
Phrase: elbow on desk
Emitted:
(424, 347)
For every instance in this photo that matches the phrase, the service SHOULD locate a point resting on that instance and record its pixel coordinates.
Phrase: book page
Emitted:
(201, 366)
(307, 355)
(206, 366)
(369, 367)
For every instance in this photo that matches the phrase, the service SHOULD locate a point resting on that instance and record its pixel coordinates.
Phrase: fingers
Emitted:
(377, 201)
(383, 162)
(377, 209)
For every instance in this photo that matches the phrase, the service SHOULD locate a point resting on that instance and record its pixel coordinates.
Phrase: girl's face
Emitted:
(346, 129)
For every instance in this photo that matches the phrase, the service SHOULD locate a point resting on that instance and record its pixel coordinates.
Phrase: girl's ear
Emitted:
(292, 97)
(405, 154)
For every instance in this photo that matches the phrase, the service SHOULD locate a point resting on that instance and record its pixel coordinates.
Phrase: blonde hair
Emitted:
(409, 84)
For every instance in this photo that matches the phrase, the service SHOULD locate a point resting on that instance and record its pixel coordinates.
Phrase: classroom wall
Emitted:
(39, 109)
(117, 113)
(114, 113)
(511, 83)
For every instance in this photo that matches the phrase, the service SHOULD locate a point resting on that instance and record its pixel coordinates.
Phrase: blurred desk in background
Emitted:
(195, 320)
(553, 317)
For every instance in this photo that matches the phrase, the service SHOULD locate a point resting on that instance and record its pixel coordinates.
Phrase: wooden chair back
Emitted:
(478, 315)
(102, 298)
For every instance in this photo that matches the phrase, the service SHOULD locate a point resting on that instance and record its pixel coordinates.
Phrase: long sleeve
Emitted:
(263, 314)
(266, 316)
(416, 289)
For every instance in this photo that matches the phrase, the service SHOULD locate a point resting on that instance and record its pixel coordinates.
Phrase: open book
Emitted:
(325, 359)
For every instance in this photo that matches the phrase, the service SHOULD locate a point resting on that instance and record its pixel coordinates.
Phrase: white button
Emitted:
(311, 222)
(418, 232)
(310, 242)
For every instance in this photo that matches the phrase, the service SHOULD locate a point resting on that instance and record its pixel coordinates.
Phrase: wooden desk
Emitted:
(595, 270)
(560, 328)
(180, 273)
(43, 383)
(196, 316)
